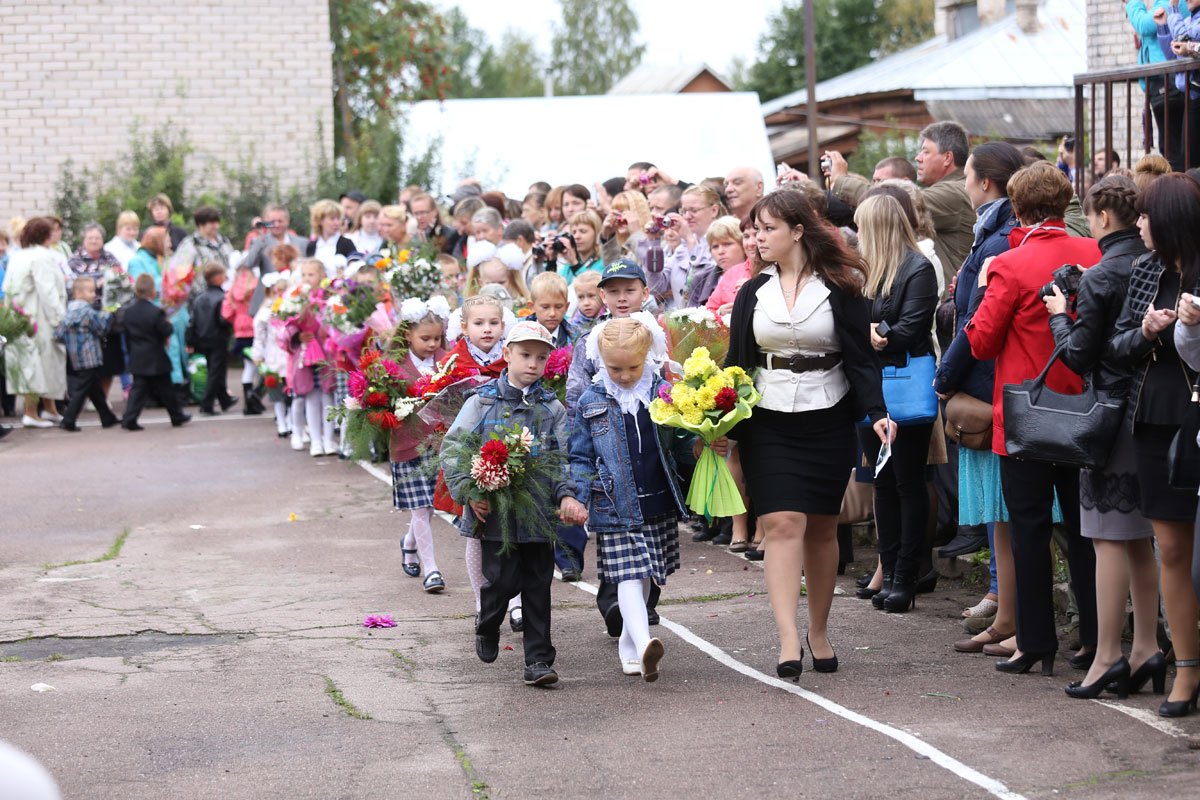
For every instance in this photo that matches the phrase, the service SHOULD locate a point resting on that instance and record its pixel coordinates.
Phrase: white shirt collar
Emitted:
(483, 359)
(422, 364)
(637, 395)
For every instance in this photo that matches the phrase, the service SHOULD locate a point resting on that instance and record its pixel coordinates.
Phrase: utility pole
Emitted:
(810, 78)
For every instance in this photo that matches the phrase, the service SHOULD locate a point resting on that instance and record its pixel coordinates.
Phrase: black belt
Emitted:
(799, 363)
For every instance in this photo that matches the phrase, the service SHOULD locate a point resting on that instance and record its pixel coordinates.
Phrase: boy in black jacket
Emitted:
(147, 330)
(208, 334)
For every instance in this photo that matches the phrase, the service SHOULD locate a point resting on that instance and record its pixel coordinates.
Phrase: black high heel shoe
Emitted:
(1021, 664)
(1181, 708)
(902, 597)
(791, 670)
(1153, 668)
(862, 581)
(821, 664)
(878, 598)
(1118, 673)
(1082, 660)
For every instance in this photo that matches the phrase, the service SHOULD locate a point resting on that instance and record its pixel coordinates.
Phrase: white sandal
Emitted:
(984, 608)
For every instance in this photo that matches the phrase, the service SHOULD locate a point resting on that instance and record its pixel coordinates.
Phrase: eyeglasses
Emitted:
(686, 211)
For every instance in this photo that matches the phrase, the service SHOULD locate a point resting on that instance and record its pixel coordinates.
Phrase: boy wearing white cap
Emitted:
(516, 398)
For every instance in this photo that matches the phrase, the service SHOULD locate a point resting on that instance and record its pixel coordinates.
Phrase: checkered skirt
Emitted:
(412, 483)
(652, 551)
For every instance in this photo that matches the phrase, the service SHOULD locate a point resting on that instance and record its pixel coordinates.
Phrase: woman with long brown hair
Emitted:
(801, 320)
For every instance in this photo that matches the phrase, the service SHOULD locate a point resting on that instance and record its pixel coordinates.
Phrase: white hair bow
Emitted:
(480, 252)
(454, 328)
(511, 256)
(414, 310)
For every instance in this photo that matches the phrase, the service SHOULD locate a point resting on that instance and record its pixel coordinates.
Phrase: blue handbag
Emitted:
(908, 392)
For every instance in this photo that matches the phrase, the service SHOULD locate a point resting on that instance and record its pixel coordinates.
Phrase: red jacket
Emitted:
(1011, 324)
(492, 370)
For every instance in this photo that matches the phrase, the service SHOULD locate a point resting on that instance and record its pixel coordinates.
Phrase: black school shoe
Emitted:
(614, 623)
(69, 426)
(132, 426)
(540, 674)
(487, 647)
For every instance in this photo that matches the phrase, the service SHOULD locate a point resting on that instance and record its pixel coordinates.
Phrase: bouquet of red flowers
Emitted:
(378, 401)
(557, 367)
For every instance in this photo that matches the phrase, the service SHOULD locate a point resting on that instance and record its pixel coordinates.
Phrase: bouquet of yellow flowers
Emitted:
(709, 401)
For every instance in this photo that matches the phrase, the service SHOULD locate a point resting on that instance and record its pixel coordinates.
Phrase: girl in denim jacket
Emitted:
(624, 470)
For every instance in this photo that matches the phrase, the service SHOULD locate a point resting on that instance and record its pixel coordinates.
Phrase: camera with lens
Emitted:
(1066, 278)
(549, 248)
(659, 223)
(826, 164)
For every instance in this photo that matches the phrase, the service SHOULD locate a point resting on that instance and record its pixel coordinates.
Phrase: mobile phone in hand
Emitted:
(883, 329)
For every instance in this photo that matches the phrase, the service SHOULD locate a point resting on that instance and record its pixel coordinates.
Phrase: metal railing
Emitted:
(1108, 78)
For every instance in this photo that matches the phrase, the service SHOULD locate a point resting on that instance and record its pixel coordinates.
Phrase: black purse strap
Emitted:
(1035, 391)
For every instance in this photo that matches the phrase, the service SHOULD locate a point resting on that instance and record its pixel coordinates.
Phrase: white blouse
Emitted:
(808, 329)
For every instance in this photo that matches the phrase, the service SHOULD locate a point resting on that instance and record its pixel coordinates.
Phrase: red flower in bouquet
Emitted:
(559, 363)
(377, 400)
(270, 381)
(726, 399)
(495, 452)
(368, 358)
(384, 420)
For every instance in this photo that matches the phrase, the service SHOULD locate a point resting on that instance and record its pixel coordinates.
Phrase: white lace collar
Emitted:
(637, 395)
(422, 364)
(484, 359)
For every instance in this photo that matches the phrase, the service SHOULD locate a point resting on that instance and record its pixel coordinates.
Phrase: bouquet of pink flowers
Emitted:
(299, 310)
(557, 367)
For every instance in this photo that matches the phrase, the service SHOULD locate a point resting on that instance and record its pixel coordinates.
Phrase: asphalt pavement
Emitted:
(195, 598)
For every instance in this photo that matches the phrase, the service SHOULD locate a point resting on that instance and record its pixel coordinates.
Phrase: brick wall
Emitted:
(1109, 45)
(236, 74)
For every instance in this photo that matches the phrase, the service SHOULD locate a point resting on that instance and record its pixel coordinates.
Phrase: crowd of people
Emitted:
(947, 272)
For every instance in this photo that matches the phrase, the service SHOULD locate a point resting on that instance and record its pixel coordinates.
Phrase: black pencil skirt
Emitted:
(798, 461)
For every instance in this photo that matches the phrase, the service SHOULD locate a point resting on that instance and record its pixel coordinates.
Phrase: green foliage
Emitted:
(385, 52)
(874, 147)
(479, 69)
(849, 34)
(594, 46)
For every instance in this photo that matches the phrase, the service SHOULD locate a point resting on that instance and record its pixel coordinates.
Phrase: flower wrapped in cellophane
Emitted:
(409, 274)
(118, 288)
(557, 367)
(691, 328)
(708, 401)
(299, 310)
(15, 321)
(378, 402)
(514, 473)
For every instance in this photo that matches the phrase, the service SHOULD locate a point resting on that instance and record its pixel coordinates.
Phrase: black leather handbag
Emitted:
(1066, 429)
(1183, 457)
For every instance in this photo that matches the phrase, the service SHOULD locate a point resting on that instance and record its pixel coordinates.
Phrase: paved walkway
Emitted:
(204, 644)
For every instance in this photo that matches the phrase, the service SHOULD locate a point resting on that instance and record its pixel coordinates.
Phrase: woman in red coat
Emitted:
(1010, 326)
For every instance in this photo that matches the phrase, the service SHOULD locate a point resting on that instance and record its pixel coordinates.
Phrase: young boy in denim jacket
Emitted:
(82, 330)
(516, 398)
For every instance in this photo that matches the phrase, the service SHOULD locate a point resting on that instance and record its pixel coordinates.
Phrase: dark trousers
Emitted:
(568, 551)
(161, 388)
(217, 357)
(606, 596)
(1029, 489)
(901, 498)
(84, 384)
(528, 570)
(1172, 128)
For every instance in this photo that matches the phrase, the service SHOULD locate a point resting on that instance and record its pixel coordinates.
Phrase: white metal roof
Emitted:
(995, 62)
(649, 79)
(510, 143)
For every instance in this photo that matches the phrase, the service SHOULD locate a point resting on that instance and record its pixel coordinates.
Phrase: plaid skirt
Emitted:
(652, 551)
(412, 485)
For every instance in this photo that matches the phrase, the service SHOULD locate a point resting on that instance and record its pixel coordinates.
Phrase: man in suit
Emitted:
(259, 256)
(147, 330)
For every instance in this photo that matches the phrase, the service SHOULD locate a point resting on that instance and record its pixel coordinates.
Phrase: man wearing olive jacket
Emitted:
(940, 165)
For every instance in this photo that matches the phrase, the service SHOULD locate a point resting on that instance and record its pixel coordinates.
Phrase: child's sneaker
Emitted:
(540, 674)
(297, 442)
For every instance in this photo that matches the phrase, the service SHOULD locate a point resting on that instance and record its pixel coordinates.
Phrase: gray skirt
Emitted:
(1110, 498)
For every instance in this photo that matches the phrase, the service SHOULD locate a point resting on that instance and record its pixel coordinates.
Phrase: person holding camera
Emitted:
(1175, 33)
(1145, 23)
(624, 226)
(1169, 221)
(574, 250)
(1109, 499)
(685, 276)
(1010, 326)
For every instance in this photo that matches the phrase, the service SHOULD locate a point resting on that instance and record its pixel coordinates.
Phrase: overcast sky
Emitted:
(713, 31)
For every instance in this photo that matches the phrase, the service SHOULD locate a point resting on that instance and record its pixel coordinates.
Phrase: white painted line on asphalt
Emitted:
(953, 765)
(1149, 717)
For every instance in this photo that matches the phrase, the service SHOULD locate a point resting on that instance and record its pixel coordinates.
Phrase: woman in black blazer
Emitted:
(902, 292)
(327, 241)
(801, 324)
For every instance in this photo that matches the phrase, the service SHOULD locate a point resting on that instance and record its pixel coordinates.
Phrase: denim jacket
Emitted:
(498, 404)
(600, 462)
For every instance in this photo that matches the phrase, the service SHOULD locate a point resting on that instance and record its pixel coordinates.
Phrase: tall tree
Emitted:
(385, 52)
(849, 34)
(594, 46)
(480, 69)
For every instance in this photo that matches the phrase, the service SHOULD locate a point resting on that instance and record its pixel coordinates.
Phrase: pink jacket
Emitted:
(303, 357)
(728, 285)
(236, 305)
(410, 434)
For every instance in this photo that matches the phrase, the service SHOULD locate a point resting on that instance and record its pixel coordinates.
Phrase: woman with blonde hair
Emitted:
(327, 242)
(1148, 169)
(393, 228)
(902, 291)
(585, 227)
(554, 212)
(365, 233)
(623, 229)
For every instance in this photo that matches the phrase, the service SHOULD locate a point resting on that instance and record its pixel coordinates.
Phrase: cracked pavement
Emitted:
(194, 663)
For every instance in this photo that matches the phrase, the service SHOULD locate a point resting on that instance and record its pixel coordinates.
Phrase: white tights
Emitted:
(281, 416)
(249, 371)
(420, 534)
(298, 415)
(632, 597)
(316, 409)
(475, 573)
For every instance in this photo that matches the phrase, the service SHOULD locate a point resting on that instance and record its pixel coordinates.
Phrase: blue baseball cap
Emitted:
(623, 268)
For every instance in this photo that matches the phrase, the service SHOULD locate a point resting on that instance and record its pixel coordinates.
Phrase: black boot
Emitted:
(253, 404)
(845, 548)
(884, 591)
(903, 595)
(706, 533)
